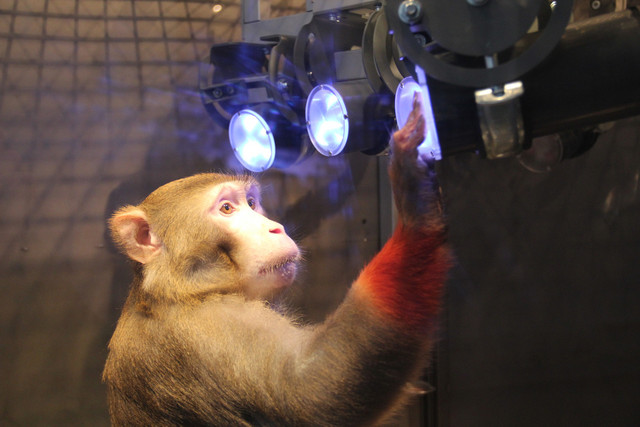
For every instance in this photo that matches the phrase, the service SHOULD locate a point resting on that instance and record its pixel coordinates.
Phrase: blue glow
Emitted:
(327, 120)
(430, 147)
(252, 140)
(404, 100)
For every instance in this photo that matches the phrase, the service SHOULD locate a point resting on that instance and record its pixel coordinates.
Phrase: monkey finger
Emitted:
(411, 134)
(417, 102)
(413, 131)
(416, 110)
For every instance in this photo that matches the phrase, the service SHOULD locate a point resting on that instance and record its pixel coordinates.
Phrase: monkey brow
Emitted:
(247, 179)
(250, 183)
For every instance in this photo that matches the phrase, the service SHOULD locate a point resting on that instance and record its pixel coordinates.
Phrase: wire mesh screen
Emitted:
(99, 105)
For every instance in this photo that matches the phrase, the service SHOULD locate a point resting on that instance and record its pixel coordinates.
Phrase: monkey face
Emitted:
(265, 256)
(207, 233)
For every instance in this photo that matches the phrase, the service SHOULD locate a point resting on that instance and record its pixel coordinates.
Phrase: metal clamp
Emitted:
(501, 119)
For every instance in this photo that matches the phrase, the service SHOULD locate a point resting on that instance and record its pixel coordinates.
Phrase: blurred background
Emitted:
(99, 105)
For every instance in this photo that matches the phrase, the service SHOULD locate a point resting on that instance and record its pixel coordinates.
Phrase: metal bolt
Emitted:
(595, 4)
(421, 39)
(217, 93)
(410, 11)
(282, 85)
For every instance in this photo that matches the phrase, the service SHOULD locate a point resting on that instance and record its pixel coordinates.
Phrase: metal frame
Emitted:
(254, 28)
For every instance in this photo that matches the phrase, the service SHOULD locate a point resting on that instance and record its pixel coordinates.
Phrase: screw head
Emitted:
(282, 85)
(410, 11)
(421, 39)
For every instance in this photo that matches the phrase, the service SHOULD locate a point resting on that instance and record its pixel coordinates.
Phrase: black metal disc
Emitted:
(478, 30)
(478, 77)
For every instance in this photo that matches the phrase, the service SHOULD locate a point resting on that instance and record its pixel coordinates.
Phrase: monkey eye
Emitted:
(252, 203)
(227, 208)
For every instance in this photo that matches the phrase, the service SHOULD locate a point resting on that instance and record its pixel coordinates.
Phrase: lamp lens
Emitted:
(252, 140)
(404, 100)
(327, 120)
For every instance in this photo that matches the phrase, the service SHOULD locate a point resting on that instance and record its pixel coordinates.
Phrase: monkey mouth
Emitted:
(286, 267)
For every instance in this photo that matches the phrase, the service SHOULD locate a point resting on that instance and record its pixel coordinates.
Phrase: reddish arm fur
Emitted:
(405, 280)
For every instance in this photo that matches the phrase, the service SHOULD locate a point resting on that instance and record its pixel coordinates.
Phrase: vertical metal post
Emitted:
(250, 11)
(387, 210)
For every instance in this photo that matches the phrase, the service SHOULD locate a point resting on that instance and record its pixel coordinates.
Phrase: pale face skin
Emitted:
(265, 255)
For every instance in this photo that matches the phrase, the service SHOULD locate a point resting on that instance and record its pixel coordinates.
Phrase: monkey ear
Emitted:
(131, 231)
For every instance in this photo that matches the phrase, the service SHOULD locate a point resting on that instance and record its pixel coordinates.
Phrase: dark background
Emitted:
(99, 106)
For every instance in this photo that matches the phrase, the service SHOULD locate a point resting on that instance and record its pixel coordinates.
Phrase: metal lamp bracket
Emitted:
(501, 119)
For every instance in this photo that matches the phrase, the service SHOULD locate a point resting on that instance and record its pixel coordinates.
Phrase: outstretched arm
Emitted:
(357, 363)
(405, 279)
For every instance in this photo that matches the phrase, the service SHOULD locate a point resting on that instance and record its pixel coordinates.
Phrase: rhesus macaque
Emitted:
(198, 344)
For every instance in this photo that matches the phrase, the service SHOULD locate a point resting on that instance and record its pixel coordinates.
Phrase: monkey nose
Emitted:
(276, 228)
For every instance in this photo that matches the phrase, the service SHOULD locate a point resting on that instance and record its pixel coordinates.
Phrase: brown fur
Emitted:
(197, 343)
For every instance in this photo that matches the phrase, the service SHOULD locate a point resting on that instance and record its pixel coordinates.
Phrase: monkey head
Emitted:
(207, 234)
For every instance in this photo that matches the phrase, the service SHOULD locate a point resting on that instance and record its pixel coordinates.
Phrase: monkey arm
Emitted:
(378, 339)
(405, 279)
(350, 370)
(355, 365)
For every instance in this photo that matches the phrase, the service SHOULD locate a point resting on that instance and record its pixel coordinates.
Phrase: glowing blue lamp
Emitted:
(252, 140)
(327, 120)
(267, 135)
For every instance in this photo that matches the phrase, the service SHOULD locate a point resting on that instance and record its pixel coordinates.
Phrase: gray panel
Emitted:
(541, 324)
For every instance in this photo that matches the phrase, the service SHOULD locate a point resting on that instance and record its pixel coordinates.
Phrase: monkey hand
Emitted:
(413, 178)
